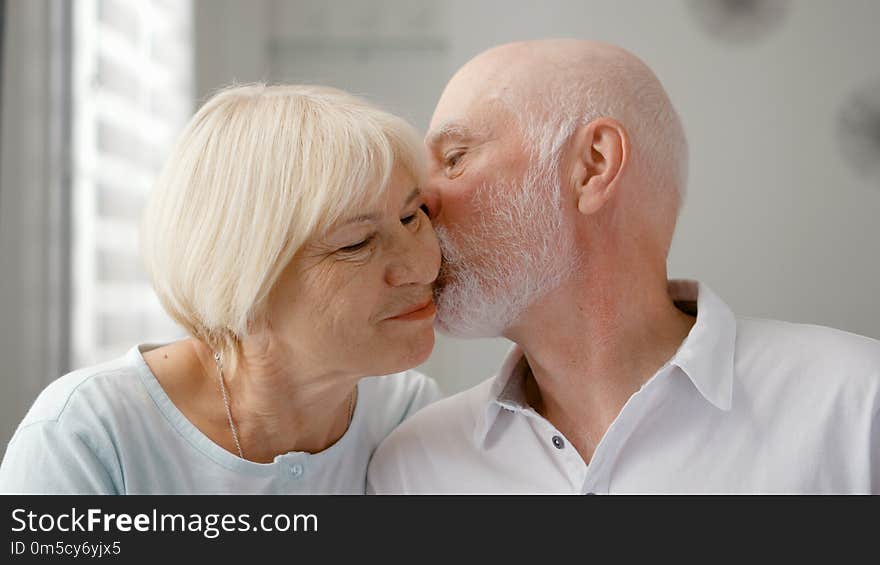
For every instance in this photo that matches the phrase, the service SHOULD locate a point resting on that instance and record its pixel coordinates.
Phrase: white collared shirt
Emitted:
(744, 406)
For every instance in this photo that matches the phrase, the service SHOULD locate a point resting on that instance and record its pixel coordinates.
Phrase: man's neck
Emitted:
(591, 345)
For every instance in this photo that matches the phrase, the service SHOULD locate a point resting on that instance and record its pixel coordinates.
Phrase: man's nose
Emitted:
(433, 202)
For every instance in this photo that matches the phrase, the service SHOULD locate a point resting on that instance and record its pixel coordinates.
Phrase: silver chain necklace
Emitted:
(219, 360)
(232, 427)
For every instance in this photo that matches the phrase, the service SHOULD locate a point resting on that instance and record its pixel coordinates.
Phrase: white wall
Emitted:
(776, 220)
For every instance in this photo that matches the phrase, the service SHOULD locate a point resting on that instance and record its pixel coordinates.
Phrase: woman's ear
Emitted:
(601, 151)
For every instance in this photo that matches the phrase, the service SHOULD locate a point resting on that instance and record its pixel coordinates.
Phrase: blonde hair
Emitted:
(257, 172)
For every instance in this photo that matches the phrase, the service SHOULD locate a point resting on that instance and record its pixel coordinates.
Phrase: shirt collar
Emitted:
(705, 356)
(507, 392)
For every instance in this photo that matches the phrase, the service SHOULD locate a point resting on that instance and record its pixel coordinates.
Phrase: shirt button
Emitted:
(296, 470)
(558, 442)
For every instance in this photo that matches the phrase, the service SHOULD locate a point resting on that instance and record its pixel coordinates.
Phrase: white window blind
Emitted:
(132, 94)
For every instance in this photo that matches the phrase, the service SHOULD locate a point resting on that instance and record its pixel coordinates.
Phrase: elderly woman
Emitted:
(288, 236)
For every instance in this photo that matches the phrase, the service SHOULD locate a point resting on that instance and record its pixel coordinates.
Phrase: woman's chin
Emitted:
(411, 350)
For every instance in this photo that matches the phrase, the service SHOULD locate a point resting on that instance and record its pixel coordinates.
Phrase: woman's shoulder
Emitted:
(68, 433)
(398, 396)
(90, 388)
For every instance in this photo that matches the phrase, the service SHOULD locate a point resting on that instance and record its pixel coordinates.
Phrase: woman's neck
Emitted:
(276, 408)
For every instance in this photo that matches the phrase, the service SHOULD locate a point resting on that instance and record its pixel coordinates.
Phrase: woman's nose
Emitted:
(417, 260)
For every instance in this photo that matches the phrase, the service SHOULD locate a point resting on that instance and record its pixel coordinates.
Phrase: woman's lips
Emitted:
(419, 312)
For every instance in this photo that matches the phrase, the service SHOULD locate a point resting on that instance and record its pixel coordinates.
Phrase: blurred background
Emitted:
(780, 101)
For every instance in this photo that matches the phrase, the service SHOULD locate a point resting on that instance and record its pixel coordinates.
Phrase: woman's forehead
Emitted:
(372, 208)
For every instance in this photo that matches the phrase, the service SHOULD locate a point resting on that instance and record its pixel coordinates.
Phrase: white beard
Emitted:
(493, 271)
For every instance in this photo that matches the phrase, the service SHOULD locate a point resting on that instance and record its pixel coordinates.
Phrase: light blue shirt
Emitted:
(112, 429)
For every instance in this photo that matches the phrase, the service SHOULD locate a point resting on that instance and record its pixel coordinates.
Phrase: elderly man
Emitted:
(559, 169)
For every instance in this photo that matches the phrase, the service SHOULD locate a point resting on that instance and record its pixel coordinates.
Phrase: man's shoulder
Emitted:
(810, 341)
(451, 419)
(834, 356)
(416, 452)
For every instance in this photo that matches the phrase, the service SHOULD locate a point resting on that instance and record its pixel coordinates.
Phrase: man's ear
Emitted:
(601, 151)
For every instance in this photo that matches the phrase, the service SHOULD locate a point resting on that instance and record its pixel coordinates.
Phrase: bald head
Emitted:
(551, 87)
(525, 70)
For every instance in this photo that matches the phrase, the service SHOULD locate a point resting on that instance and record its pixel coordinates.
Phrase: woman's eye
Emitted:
(356, 247)
(415, 215)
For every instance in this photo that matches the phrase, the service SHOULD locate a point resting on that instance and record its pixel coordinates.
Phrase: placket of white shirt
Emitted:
(567, 459)
(601, 468)
(595, 478)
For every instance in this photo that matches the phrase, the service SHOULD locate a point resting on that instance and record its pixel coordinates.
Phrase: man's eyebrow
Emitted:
(449, 130)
